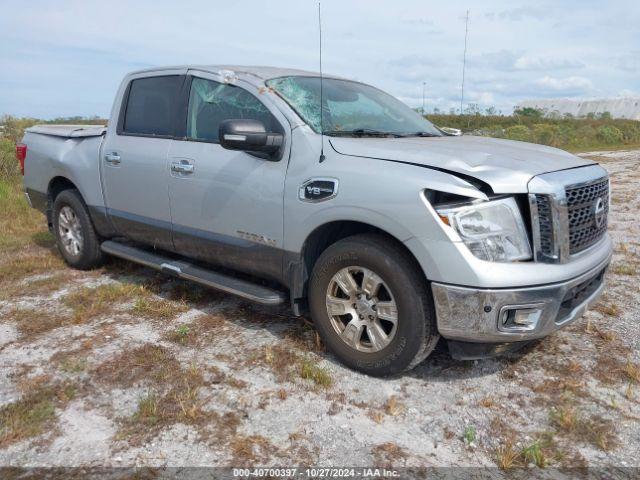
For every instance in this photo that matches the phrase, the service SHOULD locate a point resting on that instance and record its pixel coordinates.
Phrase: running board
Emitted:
(183, 269)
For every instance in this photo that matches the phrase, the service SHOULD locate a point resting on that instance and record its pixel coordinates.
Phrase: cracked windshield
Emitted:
(350, 108)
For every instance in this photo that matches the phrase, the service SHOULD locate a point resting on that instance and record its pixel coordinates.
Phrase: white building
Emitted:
(624, 107)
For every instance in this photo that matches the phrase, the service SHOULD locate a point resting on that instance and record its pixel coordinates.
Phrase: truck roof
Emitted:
(259, 72)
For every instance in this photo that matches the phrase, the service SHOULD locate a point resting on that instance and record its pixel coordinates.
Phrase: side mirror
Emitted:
(450, 132)
(249, 136)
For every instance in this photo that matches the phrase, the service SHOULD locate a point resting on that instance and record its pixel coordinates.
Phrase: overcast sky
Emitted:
(65, 57)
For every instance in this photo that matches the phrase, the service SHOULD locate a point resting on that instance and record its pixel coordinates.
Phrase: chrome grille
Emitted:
(569, 210)
(584, 230)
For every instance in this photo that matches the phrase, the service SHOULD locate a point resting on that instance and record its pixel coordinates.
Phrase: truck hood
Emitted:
(505, 165)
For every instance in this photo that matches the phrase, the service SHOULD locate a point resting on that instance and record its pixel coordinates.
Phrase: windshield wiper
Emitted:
(421, 134)
(361, 132)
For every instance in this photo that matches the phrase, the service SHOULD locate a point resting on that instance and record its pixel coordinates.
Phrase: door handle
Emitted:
(113, 158)
(182, 167)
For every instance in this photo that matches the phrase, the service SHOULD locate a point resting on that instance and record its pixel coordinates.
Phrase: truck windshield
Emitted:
(350, 108)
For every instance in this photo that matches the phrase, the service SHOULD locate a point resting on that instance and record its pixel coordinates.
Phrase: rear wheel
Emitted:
(371, 305)
(76, 238)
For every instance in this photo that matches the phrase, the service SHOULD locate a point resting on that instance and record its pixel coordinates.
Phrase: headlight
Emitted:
(491, 230)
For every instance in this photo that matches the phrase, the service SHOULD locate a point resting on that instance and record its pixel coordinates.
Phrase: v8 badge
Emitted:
(318, 189)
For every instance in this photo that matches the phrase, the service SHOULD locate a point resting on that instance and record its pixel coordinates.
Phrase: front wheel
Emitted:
(76, 238)
(371, 306)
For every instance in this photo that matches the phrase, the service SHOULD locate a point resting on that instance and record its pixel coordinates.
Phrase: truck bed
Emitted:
(68, 153)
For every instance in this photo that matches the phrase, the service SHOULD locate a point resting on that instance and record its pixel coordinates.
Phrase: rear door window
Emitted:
(150, 105)
(211, 102)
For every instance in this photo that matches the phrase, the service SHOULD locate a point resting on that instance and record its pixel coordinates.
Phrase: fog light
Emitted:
(519, 318)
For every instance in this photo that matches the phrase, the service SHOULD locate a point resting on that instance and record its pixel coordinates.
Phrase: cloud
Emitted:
(541, 62)
(417, 68)
(480, 97)
(629, 62)
(63, 65)
(416, 60)
(508, 61)
(565, 86)
(424, 26)
(502, 60)
(519, 14)
(625, 92)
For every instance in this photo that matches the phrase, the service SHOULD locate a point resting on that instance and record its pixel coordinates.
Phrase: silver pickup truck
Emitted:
(279, 186)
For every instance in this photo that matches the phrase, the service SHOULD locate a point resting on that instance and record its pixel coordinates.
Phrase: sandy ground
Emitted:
(177, 376)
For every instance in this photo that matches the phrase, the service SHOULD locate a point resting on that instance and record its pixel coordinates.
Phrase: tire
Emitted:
(76, 238)
(393, 347)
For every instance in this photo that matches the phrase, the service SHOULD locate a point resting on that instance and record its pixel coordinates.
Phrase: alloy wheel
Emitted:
(362, 309)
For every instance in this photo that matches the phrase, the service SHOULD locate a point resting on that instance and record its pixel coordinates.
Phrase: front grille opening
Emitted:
(585, 229)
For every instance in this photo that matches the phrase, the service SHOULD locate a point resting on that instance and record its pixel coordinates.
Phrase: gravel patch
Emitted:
(232, 398)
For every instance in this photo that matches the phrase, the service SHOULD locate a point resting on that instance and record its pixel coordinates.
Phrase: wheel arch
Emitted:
(98, 216)
(321, 238)
(56, 185)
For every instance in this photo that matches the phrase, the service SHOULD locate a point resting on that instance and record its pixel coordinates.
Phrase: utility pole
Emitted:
(464, 59)
(424, 86)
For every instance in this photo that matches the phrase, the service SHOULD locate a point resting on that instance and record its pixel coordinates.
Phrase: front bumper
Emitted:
(474, 314)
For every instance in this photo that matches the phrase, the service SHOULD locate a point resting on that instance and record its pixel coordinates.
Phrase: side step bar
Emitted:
(188, 271)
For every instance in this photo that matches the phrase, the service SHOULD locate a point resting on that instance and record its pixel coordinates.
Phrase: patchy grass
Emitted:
(391, 407)
(612, 367)
(632, 371)
(542, 452)
(564, 417)
(90, 302)
(487, 402)
(172, 399)
(33, 414)
(26, 264)
(318, 375)
(179, 335)
(288, 364)
(388, 455)
(608, 309)
(252, 450)
(32, 322)
(580, 427)
(87, 303)
(148, 363)
(147, 412)
(236, 383)
(19, 223)
(35, 287)
(304, 336)
(204, 330)
(508, 456)
(469, 435)
(158, 308)
(174, 394)
(72, 361)
(624, 269)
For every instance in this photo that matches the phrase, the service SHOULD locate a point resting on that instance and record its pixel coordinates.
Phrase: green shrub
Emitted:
(583, 135)
(610, 134)
(560, 131)
(546, 134)
(8, 164)
(518, 132)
